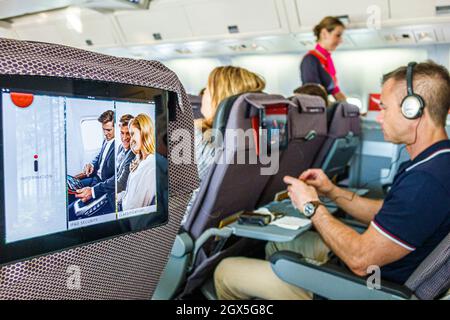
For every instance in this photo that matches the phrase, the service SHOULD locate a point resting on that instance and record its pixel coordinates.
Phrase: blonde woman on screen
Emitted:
(141, 184)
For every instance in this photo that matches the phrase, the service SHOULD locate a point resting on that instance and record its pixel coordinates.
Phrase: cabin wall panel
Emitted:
(193, 73)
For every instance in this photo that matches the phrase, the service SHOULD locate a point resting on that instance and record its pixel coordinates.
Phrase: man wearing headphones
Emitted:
(402, 230)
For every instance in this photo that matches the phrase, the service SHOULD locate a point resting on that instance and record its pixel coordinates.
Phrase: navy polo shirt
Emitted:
(416, 211)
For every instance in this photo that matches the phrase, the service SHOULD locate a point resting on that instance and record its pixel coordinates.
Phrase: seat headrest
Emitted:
(308, 117)
(196, 104)
(261, 101)
(252, 102)
(344, 110)
(309, 104)
(195, 101)
(342, 118)
(223, 113)
(348, 110)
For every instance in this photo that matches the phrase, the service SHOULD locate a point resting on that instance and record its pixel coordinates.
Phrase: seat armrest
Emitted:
(182, 245)
(223, 233)
(331, 281)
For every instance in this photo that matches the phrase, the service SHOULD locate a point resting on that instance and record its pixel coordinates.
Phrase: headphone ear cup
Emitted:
(412, 106)
(422, 105)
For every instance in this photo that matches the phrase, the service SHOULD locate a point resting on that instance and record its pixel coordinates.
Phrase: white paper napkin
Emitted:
(292, 223)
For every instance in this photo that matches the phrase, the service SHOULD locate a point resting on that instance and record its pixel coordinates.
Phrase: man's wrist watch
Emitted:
(310, 208)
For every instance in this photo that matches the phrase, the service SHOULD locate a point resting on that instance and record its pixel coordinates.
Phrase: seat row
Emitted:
(318, 137)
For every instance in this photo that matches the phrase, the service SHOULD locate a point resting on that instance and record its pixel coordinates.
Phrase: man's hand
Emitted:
(84, 194)
(88, 169)
(319, 180)
(299, 192)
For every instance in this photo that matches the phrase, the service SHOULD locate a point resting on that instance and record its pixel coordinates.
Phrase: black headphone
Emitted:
(413, 104)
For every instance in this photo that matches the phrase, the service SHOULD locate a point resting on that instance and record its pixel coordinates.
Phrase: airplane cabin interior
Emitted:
(225, 150)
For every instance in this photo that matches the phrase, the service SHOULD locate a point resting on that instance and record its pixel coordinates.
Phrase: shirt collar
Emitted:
(438, 146)
(323, 51)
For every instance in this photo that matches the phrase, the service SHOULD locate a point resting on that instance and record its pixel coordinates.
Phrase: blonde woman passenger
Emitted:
(141, 185)
(223, 82)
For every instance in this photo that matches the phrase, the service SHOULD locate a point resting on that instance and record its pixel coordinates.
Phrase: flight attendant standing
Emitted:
(317, 65)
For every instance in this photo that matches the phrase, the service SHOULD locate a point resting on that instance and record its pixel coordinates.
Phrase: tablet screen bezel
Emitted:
(98, 90)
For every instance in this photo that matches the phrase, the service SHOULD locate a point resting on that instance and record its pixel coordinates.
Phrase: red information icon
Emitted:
(22, 100)
(36, 163)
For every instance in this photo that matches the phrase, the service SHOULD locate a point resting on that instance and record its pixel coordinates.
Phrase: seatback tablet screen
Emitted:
(82, 161)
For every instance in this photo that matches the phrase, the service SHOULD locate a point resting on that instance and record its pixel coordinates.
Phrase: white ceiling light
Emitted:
(183, 51)
(243, 47)
(307, 43)
(424, 36)
(399, 37)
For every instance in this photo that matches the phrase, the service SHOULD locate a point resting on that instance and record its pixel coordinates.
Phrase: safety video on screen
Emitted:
(73, 162)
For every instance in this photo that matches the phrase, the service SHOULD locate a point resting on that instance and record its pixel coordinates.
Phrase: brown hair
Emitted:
(106, 117)
(329, 23)
(125, 119)
(313, 89)
(224, 82)
(432, 82)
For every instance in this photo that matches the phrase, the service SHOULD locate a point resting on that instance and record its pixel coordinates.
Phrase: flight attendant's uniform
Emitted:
(317, 67)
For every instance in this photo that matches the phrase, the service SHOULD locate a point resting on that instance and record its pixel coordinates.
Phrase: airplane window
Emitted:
(91, 133)
(355, 101)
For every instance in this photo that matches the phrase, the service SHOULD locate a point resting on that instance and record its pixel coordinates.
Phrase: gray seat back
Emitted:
(342, 140)
(196, 104)
(307, 124)
(123, 267)
(229, 186)
(432, 277)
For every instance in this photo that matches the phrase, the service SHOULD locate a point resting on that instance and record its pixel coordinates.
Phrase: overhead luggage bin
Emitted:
(415, 9)
(78, 27)
(354, 12)
(153, 25)
(231, 17)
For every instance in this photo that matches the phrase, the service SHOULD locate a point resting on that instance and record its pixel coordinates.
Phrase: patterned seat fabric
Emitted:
(125, 267)
(432, 277)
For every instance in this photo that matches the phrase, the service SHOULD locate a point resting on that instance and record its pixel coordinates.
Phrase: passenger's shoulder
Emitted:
(426, 181)
(310, 59)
